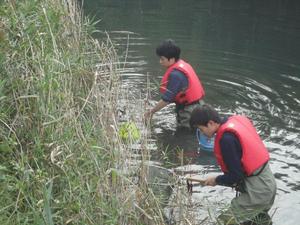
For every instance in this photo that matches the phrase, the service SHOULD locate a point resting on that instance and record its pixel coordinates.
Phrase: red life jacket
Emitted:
(254, 153)
(194, 91)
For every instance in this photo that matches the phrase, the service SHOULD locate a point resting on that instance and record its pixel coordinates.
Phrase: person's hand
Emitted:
(210, 181)
(148, 115)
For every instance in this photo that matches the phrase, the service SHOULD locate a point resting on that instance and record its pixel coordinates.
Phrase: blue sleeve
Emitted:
(232, 153)
(176, 83)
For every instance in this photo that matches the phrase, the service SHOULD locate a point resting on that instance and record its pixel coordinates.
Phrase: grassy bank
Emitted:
(59, 147)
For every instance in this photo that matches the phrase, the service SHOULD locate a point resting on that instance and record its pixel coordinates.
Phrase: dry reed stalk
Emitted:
(65, 121)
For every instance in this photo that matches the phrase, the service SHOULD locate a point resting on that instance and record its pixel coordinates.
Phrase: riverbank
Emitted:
(62, 160)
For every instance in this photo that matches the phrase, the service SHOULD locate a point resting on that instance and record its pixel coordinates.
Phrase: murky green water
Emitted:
(247, 55)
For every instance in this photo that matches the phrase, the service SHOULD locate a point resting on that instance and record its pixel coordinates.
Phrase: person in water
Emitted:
(180, 84)
(244, 161)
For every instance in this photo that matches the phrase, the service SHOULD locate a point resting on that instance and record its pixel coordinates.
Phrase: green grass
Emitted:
(57, 114)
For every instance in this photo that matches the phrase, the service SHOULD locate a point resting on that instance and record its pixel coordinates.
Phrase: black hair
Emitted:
(168, 49)
(202, 114)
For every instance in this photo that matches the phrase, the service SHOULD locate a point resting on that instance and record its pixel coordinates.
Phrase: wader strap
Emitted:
(260, 170)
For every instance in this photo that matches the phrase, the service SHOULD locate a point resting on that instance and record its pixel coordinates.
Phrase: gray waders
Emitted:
(251, 206)
(183, 113)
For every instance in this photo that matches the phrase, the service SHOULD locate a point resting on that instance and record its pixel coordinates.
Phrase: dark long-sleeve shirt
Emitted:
(232, 153)
(177, 82)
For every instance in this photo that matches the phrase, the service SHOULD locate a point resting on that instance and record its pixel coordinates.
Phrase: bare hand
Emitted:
(210, 181)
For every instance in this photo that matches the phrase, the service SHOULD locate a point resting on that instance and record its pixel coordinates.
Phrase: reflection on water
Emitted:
(247, 56)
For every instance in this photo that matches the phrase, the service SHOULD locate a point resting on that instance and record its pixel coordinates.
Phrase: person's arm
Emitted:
(232, 153)
(177, 82)
(161, 104)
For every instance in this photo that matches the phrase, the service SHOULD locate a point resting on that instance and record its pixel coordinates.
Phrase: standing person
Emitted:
(243, 159)
(180, 84)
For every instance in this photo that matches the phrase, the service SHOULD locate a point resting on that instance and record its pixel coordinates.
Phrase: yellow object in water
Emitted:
(129, 131)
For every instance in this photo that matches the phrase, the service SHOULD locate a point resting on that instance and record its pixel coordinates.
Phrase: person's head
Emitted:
(206, 119)
(168, 53)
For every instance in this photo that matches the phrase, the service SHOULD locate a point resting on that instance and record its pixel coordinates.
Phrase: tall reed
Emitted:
(60, 152)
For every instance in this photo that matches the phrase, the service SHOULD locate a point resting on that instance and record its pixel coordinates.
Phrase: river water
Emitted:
(247, 56)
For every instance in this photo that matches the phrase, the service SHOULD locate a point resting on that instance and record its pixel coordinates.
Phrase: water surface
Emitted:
(246, 54)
